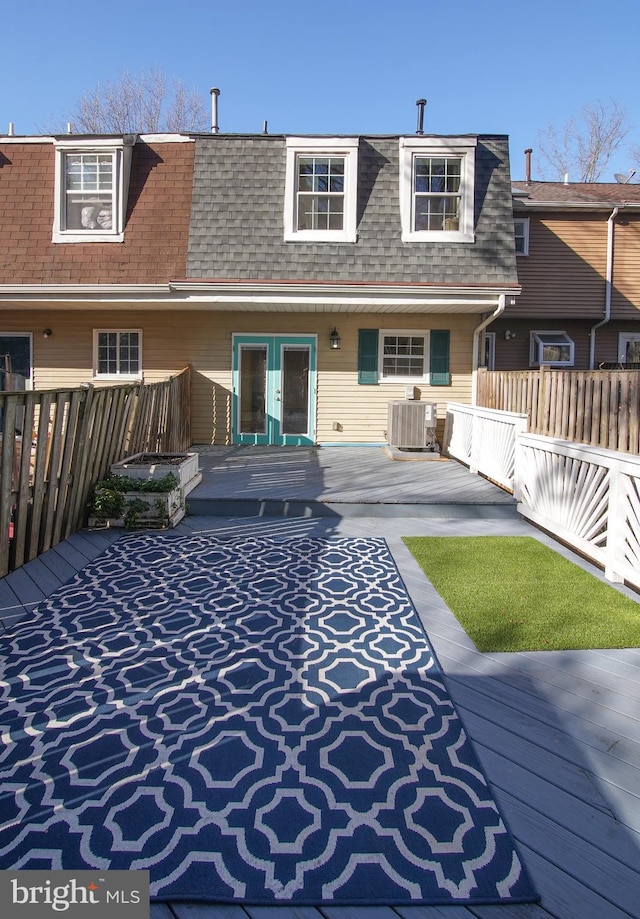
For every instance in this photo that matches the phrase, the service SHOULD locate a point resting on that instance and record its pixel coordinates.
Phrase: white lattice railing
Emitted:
(586, 496)
(484, 439)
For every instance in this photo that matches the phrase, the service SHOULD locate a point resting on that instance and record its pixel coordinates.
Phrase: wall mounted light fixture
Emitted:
(508, 335)
(334, 340)
(47, 333)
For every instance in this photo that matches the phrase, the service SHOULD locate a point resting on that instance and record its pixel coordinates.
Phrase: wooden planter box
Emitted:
(150, 466)
(147, 510)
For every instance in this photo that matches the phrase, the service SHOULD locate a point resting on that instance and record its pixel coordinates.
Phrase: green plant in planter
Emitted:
(108, 497)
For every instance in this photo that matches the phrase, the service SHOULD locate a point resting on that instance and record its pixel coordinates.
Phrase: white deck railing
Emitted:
(586, 496)
(484, 440)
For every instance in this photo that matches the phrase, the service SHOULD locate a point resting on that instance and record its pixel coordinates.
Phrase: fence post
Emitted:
(616, 521)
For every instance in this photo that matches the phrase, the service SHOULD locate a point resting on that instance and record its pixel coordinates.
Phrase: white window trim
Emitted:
(346, 147)
(461, 147)
(536, 346)
(120, 148)
(625, 338)
(489, 350)
(116, 377)
(425, 376)
(525, 233)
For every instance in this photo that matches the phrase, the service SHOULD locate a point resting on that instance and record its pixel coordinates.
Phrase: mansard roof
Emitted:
(239, 200)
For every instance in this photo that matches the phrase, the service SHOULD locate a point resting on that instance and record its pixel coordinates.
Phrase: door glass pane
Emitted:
(253, 384)
(295, 390)
(15, 362)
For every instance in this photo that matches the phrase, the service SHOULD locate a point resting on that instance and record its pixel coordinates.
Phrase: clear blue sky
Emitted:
(335, 66)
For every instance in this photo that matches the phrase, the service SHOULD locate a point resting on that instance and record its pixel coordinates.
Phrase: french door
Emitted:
(274, 389)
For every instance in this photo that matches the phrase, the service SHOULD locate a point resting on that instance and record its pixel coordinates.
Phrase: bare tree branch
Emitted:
(142, 103)
(583, 146)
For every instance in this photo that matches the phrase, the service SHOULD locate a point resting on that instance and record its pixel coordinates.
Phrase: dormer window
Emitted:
(437, 189)
(321, 189)
(92, 178)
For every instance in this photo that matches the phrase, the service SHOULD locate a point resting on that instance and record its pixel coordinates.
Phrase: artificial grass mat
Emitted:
(512, 593)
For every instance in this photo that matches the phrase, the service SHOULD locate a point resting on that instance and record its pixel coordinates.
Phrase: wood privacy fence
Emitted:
(57, 444)
(596, 407)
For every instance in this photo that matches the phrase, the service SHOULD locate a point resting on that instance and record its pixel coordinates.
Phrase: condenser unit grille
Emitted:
(410, 423)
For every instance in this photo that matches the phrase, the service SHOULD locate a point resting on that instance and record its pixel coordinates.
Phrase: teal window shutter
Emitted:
(367, 357)
(439, 357)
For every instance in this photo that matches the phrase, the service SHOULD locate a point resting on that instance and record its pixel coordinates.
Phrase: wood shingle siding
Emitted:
(156, 228)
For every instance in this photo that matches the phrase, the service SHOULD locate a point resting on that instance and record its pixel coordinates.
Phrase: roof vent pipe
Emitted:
(527, 165)
(214, 110)
(11, 129)
(421, 104)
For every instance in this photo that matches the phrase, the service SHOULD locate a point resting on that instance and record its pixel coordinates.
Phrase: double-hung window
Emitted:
(437, 189)
(321, 189)
(403, 356)
(118, 354)
(91, 185)
(521, 232)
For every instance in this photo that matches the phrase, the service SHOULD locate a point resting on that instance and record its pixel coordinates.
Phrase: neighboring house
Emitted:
(308, 281)
(578, 257)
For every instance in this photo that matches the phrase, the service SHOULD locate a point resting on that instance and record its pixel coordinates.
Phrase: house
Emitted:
(309, 281)
(578, 258)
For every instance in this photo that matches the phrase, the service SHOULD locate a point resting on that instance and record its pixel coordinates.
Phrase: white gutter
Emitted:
(502, 302)
(608, 287)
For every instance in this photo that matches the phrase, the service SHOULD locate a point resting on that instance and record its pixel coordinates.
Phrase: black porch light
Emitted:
(334, 340)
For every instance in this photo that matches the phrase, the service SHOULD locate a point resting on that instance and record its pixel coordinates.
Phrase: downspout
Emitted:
(502, 302)
(608, 287)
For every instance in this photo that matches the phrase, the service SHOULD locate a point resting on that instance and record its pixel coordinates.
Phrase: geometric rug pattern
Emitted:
(253, 720)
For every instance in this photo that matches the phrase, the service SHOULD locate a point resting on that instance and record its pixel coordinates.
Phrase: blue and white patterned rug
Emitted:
(252, 720)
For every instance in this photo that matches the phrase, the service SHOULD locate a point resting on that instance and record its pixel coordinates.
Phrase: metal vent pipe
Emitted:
(214, 110)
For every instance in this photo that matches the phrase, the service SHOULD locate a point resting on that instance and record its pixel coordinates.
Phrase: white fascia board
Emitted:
(262, 297)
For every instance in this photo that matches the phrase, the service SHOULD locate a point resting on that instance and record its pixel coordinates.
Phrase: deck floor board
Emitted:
(557, 733)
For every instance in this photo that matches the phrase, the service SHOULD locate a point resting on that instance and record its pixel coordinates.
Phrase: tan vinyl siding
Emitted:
(173, 339)
(565, 269)
(626, 276)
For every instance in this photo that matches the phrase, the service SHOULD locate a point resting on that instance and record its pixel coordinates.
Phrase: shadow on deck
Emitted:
(248, 481)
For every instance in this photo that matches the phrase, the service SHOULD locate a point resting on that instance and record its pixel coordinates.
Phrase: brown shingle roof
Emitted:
(598, 194)
(156, 230)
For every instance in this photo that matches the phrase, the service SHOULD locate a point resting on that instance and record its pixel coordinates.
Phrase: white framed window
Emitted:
(521, 234)
(554, 349)
(629, 347)
(403, 356)
(437, 189)
(117, 354)
(92, 179)
(321, 190)
(489, 351)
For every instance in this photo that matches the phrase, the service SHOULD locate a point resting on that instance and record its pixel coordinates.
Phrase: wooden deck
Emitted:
(558, 733)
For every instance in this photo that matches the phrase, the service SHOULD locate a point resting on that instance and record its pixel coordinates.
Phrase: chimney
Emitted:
(214, 110)
(527, 165)
(421, 104)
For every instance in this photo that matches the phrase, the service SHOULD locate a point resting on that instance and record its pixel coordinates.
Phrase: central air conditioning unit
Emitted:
(411, 425)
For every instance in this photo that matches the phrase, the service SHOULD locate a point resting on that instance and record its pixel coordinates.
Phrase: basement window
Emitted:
(553, 349)
(91, 184)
